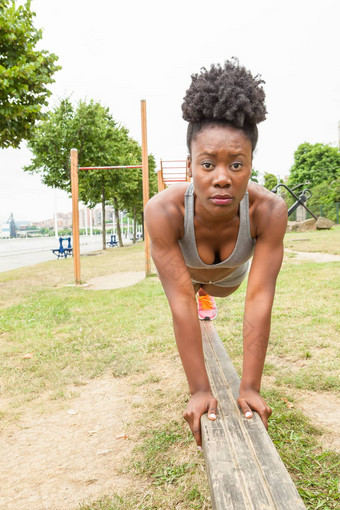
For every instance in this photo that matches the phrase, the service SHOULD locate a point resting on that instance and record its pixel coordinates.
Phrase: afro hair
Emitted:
(228, 94)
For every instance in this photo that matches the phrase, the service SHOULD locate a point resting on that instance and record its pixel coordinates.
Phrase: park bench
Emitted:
(113, 241)
(63, 251)
(244, 470)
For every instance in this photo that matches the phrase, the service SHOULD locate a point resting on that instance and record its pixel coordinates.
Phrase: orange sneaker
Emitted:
(207, 310)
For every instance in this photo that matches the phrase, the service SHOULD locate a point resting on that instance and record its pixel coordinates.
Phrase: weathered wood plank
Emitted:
(244, 470)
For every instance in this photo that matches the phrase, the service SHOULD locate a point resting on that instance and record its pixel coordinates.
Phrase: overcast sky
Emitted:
(119, 52)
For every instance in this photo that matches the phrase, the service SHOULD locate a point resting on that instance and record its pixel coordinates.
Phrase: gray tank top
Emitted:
(244, 246)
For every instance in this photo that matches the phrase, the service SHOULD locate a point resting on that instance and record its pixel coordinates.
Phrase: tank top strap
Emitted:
(244, 217)
(189, 205)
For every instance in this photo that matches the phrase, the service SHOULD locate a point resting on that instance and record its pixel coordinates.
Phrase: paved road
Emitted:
(16, 253)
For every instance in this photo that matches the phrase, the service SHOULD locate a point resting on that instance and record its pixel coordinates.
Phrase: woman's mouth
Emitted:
(222, 199)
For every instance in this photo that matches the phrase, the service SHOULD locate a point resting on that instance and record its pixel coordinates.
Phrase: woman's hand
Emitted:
(200, 403)
(250, 400)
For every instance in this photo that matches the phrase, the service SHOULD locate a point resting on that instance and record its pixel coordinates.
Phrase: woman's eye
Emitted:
(207, 166)
(236, 166)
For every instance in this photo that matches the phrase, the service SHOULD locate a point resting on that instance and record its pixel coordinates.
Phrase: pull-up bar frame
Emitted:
(166, 177)
(108, 167)
(75, 196)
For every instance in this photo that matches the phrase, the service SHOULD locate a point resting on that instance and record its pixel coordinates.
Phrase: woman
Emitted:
(204, 233)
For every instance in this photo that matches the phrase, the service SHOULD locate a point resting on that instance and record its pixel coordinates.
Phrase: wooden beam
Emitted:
(145, 165)
(75, 215)
(245, 471)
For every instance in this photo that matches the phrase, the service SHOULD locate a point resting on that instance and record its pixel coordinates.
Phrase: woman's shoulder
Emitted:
(263, 199)
(266, 208)
(167, 207)
(169, 200)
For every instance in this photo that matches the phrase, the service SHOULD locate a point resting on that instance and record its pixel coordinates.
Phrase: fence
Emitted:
(330, 211)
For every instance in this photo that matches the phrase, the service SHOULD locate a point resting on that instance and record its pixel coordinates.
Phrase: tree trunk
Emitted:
(134, 225)
(119, 232)
(103, 219)
(143, 226)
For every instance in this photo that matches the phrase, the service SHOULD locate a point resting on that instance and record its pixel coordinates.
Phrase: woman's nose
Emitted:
(221, 177)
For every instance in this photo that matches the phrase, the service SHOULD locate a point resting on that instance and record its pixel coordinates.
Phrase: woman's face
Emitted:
(220, 163)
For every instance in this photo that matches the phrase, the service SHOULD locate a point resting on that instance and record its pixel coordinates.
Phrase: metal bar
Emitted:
(108, 167)
(174, 161)
(174, 167)
(292, 208)
(310, 212)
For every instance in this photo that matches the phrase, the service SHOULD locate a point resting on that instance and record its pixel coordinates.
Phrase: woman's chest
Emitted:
(214, 245)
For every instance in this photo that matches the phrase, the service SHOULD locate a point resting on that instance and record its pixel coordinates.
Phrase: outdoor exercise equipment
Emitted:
(244, 469)
(299, 200)
(172, 171)
(63, 251)
(75, 196)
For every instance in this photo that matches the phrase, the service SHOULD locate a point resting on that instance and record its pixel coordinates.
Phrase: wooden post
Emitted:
(161, 177)
(160, 181)
(75, 214)
(145, 165)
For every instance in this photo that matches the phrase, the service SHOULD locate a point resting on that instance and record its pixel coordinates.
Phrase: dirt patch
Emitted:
(58, 460)
(324, 410)
(115, 280)
(314, 256)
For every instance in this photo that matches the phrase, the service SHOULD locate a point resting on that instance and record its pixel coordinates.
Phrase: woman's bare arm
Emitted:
(163, 223)
(271, 226)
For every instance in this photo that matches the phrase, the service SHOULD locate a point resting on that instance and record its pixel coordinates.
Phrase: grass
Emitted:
(303, 347)
(314, 471)
(75, 334)
(17, 284)
(327, 241)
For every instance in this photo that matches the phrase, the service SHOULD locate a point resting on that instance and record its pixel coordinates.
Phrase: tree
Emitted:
(51, 144)
(100, 141)
(325, 195)
(316, 164)
(128, 195)
(254, 175)
(270, 181)
(24, 74)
